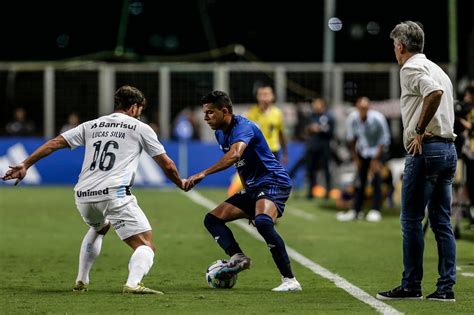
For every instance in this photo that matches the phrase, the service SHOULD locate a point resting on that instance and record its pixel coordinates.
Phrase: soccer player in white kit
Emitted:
(113, 144)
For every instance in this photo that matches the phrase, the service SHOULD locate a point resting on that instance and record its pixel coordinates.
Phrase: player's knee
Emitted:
(263, 222)
(211, 220)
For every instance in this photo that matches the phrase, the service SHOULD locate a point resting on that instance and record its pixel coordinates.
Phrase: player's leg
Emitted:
(374, 214)
(311, 157)
(265, 216)
(133, 227)
(140, 263)
(362, 174)
(325, 162)
(266, 213)
(215, 222)
(239, 206)
(91, 243)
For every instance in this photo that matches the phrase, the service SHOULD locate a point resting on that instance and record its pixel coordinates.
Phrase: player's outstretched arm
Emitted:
(231, 157)
(169, 168)
(19, 171)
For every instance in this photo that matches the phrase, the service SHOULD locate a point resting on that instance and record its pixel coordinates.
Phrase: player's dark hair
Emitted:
(411, 35)
(218, 99)
(264, 85)
(128, 95)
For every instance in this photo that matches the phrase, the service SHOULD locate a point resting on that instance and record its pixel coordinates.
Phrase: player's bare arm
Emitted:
(19, 171)
(231, 157)
(170, 170)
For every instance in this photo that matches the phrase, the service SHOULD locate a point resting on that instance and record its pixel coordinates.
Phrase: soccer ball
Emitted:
(214, 283)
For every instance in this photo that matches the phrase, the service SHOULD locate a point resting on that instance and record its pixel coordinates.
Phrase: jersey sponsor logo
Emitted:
(103, 124)
(89, 193)
(15, 155)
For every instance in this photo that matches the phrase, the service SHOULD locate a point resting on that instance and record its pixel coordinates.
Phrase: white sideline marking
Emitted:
(300, 213)
(467, 274)
(340, 282)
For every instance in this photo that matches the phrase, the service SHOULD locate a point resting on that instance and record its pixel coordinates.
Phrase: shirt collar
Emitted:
(415, 57)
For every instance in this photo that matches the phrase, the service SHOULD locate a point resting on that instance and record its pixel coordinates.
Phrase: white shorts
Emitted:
(123, 213)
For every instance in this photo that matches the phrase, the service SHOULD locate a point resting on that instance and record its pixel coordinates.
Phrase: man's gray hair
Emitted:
(411, 35)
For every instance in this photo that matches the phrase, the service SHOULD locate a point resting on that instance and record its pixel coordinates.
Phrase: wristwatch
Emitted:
(419, 131)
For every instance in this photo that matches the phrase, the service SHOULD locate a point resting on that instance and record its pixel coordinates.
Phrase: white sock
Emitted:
(90, 249)
(139, 265)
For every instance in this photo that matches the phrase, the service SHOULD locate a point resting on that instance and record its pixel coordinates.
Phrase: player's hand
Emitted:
(182, 186)
(16, 171)
(193, 181)
(416, 145)
(375, 166)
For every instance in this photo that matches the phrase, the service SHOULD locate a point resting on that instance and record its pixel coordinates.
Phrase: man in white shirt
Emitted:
(113, 145)
(369, 137)
(427, 107)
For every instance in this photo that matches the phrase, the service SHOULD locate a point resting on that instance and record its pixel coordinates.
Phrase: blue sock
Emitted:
(265, 227)
(222, 234)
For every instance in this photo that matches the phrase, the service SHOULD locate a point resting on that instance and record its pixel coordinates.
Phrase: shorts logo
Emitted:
(119, 224)
(261, 194)
(270, 246)
(217, 238)
(239, 163)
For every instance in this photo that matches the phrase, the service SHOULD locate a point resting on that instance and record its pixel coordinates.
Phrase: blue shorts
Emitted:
(246, 200)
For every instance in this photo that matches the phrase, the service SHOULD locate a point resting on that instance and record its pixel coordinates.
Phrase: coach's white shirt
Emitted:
(418, 78)
(113, 145)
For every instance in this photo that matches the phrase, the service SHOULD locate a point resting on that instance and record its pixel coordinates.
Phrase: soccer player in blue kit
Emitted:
(267, 186)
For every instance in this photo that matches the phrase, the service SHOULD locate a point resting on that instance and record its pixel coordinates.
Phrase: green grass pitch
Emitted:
(41, 231)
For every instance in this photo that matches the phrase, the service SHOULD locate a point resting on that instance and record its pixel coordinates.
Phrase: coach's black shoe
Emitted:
(442, 297)
(400, 293)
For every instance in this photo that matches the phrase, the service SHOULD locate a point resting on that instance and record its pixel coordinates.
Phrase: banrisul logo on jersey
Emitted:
(103, 124)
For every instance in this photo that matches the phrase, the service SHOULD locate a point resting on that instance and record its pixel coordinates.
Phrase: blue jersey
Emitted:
(257, 165)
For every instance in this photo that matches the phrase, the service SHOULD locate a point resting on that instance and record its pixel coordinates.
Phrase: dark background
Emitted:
(274, 31)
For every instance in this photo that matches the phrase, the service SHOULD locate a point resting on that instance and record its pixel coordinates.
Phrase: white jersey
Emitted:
(370, 134)
(113, 145)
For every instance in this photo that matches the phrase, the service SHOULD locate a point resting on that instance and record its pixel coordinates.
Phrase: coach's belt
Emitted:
(437, 139)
